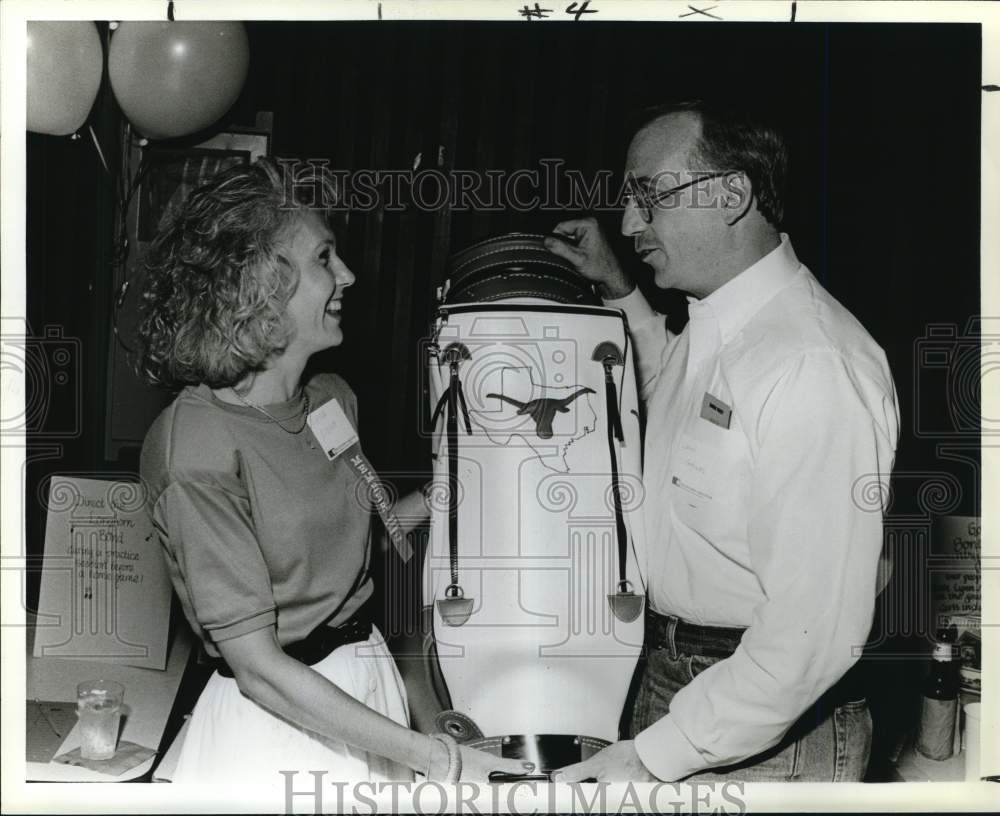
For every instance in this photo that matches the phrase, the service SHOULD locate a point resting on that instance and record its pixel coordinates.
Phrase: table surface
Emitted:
(149, 697)
(912, 766)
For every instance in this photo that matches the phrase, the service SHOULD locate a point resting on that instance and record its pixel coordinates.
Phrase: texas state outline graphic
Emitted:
(550, 420)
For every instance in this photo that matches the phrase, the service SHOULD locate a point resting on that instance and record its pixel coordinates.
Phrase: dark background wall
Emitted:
(883, 206)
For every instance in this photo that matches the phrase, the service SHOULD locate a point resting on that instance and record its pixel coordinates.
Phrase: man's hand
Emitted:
(616, 763)
(588, 250)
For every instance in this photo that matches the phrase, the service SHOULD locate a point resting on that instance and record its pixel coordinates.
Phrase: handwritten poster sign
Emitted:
(956, 588)
(105, 593)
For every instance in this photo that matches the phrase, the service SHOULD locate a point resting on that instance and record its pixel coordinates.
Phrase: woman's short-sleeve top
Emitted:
(259, 528)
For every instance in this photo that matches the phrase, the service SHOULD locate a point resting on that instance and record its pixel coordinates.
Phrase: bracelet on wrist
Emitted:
(454, 758)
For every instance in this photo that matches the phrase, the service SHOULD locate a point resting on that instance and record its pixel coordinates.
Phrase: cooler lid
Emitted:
(514, 265)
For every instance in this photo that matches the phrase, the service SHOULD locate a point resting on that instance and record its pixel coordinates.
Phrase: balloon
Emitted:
(176, 78)
(65, 63)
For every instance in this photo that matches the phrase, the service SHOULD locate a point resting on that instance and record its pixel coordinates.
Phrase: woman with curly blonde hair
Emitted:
(253, 475)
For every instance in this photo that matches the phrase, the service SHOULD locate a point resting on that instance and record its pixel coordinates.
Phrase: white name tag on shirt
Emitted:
(716, 411)
(332, 429)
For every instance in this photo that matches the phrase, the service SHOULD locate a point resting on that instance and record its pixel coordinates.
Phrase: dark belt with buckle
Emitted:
(721, 642)
(320, 642)
(689, 638)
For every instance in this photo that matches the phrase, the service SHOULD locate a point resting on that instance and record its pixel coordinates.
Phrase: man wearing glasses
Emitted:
(770, 418)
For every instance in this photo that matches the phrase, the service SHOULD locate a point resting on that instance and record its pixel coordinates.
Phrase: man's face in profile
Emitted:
(681, 240)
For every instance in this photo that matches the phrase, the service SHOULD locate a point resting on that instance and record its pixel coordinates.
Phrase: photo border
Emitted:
(20, 797)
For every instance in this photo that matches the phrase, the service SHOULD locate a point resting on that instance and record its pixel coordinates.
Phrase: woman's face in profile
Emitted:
(314, 308)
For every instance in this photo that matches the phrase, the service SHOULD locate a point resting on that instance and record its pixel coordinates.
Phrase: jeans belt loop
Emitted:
(668, 636)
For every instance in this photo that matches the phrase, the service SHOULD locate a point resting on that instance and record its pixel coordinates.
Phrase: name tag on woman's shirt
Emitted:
(332, 429)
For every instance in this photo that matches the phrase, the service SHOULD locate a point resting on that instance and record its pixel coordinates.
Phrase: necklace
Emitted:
(274, 419)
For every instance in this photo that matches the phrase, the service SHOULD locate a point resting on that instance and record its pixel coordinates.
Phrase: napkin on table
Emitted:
(128, 755)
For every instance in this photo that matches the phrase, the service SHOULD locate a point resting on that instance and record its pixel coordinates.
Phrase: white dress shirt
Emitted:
(769, 523)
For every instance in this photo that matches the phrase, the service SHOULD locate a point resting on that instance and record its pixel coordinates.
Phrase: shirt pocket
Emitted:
(708, 472)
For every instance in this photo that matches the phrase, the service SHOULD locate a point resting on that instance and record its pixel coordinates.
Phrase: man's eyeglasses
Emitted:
(644, 200)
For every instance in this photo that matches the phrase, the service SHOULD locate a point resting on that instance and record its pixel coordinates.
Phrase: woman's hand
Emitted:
(412, 510)
(476, 765)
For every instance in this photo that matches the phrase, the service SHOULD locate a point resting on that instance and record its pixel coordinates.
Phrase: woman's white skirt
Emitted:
(232, 739)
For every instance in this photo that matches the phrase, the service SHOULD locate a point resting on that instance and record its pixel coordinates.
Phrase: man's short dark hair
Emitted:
(733, 138)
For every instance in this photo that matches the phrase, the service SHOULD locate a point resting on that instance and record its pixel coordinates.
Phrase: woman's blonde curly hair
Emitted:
(217, 284)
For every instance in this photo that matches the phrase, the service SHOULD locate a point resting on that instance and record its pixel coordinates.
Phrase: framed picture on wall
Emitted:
(170, 174)
(167, 176)
(255, 142)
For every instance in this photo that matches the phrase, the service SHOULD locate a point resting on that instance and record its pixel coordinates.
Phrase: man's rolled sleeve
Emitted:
(666, 752)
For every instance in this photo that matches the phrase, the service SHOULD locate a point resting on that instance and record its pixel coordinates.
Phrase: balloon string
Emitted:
(97, 145)
(120, 259)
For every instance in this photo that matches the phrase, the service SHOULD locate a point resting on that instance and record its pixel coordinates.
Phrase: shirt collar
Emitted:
(733, 304)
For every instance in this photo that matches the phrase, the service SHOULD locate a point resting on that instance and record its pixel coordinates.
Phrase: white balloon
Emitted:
(176, 78)
(65, 63)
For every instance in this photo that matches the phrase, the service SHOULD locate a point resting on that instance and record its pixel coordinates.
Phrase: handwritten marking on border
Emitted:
(703, 12)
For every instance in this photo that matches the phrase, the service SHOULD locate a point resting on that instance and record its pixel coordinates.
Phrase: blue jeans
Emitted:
(829, 743)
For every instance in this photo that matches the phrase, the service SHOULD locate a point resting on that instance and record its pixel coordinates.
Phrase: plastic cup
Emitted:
(99, 708)
(971, 739)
